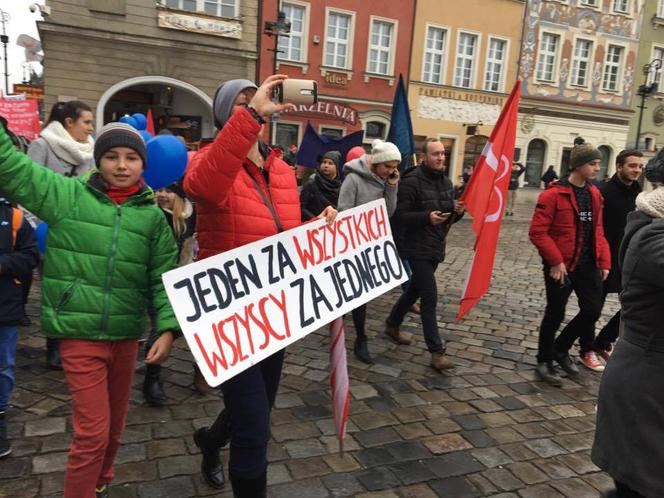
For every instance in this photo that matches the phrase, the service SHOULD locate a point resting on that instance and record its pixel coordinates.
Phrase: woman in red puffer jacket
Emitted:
(244, 193)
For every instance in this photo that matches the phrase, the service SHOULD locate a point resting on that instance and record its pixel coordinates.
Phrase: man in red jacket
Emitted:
(567, 230)
(244, 192)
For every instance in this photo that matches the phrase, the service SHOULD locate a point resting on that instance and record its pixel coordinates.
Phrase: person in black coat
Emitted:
(426, 208)
(322, 188)
(619, 200)
(517, 171)
(18, 257)
(629, 430)
(549, 176)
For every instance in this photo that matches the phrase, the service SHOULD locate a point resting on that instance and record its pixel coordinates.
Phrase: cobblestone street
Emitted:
(487, 428)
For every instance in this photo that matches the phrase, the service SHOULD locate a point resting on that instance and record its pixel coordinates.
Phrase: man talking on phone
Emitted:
(426, 209)
(567, 231)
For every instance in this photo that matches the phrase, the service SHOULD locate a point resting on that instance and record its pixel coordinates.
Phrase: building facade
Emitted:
(648, 70)
(465, 68)
(127, 56)
(355, 52)
(578, 65)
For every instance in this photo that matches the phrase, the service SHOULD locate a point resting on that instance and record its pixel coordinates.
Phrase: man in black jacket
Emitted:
(426, 209)
(18, 257)
(619, 200)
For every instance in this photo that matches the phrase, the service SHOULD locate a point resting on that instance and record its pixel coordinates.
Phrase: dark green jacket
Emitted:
(103, 260)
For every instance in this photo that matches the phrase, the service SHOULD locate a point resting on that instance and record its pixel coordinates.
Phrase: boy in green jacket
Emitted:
(108, 245)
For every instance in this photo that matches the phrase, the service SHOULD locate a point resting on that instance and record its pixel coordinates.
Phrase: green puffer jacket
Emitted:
(103, 261)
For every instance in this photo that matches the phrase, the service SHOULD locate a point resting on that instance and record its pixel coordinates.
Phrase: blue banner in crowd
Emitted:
(314, 145)
(401, 127)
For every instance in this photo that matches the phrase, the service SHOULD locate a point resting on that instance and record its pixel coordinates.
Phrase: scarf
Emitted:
(65, 147)
(328, 188)
(651, 203)
(119, 195)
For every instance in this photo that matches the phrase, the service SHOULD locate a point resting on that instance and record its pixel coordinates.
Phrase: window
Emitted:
(337, 40)
(621, 6)
(547, 56)
(291, 47)
(220, 8)
(589, 3)
(604, 164)
(331, 132)
(581, 62)
(434, 54)
(287, 134)
(656, 75)
(660, 9)
(494, 65)
(614, 55)
(463, 70)
(380, 47)
(535, 162)
(375, 129)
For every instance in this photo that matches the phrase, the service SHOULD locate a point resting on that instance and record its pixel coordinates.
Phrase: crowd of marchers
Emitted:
(110, 238)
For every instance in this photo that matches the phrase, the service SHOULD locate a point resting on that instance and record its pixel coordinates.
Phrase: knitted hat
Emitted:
(332, 155)
(383, 152)
(583, 153)
(655, 168)
(224, 99)
(119, 135)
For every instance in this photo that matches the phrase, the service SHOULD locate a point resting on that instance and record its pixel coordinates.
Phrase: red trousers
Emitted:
(99, 375)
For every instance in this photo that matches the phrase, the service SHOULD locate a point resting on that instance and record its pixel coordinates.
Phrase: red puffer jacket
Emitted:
(556, 230)
(230, 209)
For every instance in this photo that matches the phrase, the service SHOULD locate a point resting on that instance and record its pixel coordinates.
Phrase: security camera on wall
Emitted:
(43, 9)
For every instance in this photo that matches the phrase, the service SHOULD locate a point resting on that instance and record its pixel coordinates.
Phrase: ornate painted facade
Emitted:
(577, 65)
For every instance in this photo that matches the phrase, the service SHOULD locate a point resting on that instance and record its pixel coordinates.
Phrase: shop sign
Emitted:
(336, 79)
(327, 110)
(196, 23)
(35, 92)
(479, 98)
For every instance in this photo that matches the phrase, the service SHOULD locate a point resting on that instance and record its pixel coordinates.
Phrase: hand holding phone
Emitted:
(393, 179)
(437, 217)
(296, 91)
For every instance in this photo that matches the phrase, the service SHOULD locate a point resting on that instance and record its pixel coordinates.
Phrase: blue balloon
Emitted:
(167, 160)
(40, 233)
(147, 136)
(141, 121)
(129, 120)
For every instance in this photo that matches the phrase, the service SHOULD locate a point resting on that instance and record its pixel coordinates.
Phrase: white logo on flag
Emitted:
(492, 161)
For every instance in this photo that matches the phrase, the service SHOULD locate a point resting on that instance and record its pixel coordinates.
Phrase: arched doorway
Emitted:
(176, 105)
(535, 162)
(472, 151)
(604, 165)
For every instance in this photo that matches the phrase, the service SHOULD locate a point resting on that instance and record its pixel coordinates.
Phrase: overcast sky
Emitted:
(21, 21)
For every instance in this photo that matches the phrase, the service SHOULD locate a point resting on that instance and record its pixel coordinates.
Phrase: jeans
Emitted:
(422, 286)
(99, 376)
(586, 282)
(249, 397)
(359, 320)
(409, 272)
(609, 333)
(8, 338)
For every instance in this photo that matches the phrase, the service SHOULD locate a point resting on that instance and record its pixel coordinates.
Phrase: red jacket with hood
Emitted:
(230, 209)
(556, 230)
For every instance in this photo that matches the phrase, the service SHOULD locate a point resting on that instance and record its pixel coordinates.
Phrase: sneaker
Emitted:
(567, 364)
(604, 354)
(547, 373)
(591, 361)
(101, 492)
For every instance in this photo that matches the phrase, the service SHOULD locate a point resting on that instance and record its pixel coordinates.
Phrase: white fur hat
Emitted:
(382, 152)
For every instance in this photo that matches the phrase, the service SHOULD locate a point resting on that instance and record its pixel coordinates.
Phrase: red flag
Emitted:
(485, 200)
(339, 378)
(150, 126)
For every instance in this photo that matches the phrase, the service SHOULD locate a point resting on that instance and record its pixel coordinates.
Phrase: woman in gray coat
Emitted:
(65, 145)
(630, 427)
(369, 178)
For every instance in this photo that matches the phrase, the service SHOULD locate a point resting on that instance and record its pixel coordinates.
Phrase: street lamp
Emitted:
(4, 19)
(645, 91)
(280, 27)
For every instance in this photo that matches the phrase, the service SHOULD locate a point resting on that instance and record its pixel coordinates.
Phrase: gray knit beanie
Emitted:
(224, 99)
(119, 135)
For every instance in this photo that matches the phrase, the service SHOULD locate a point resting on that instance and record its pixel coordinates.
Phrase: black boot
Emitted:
(250, 488)
(567, 364)
(53, 354)
(210, 440)
(547, 373)
(362, 351)
(153, 389)
(5, 445)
